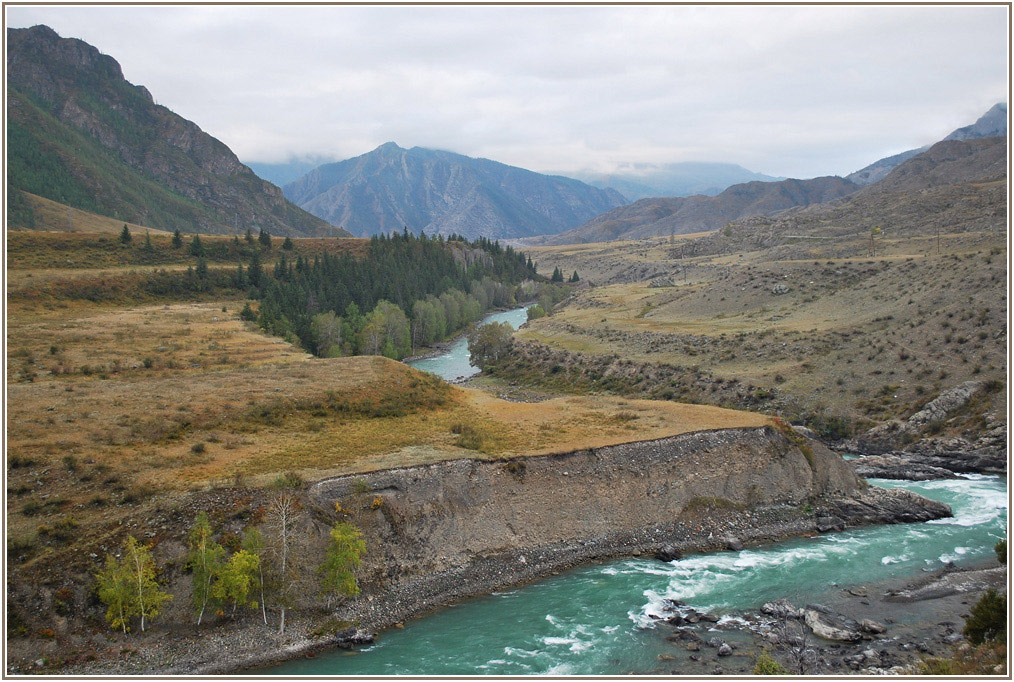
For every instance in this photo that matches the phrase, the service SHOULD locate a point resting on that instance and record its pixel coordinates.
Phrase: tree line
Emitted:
(407, 291)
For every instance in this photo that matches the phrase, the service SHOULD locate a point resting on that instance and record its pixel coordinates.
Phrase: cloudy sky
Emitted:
(793, 91)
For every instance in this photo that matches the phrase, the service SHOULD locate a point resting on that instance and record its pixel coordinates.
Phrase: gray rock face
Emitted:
(832, 626)
(946, 403)
(439, 192)
(898, 467)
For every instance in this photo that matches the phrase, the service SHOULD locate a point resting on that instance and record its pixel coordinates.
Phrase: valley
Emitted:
(761, 428)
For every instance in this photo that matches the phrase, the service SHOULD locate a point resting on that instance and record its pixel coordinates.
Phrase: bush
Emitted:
(988, 618)
(1001, 551)
(768, 666)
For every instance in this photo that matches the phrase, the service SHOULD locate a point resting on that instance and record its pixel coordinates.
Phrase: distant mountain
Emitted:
(441, 192)
(683, 215)
(282, 174)
(642, 180)
(954, 186)
(990, 124)
(78, 133)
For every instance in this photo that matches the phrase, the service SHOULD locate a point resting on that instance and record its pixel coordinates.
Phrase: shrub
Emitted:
(290, 479)
(768, 666)
(988, 618)
(1001, 551)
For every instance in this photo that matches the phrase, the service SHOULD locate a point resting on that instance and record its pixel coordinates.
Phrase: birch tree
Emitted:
(147, 593)
(205, 559)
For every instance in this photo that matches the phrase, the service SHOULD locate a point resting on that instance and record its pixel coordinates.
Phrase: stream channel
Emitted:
(597, 619)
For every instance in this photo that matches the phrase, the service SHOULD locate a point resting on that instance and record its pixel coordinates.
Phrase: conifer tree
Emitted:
(196, 247)
(264, 238)
(125, 236)
(177, 239)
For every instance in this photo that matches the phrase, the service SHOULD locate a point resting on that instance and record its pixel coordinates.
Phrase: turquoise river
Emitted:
(596, 619)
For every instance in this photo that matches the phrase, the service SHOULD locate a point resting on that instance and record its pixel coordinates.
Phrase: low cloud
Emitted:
(794, 91)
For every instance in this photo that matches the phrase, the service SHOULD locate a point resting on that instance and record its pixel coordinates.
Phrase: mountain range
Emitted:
(684, 215)
(642, 180)
(439, 192)
(990, 124)
(80, 134)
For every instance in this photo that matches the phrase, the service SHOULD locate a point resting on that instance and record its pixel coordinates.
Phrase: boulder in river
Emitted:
(832, 626)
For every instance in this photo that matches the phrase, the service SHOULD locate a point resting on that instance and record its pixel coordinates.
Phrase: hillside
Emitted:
(81, 135)
(687, 178)
(439, 192)
(991, 124)
(684, 215)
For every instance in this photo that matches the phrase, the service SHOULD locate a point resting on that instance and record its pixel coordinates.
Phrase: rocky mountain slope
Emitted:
(954, 186)
(684, 215)
(80, 134)
(991, 124)
(642, 181)
(440, 192)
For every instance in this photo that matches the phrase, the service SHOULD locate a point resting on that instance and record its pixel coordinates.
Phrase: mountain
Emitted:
(990, 124)
(78, 133)
(282, 174)
(642, 180)
(440, 192)
(682, 215)
(954, 186)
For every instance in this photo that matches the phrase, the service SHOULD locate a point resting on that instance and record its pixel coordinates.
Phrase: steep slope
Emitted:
(955, 186)
(990, 124)
(440, 192)
(642, 181)
(80, 134)
(683, 215)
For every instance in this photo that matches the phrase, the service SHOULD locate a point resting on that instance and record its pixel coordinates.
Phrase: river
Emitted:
(596, 619)
(453, 364)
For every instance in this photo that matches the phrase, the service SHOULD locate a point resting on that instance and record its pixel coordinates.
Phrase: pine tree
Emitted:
(264, 238)
(125, 236)
(148, 247)
(557, 275)
(177, 239)
(574, 278)
(249, 236)
(196, 247)
(287, 244)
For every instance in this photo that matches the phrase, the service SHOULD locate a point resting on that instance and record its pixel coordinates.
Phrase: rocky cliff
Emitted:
(439, 192)
(80, 134)
(443, 531)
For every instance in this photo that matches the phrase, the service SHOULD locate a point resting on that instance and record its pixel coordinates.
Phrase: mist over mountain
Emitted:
(80, 134)
(641, 180)
(440, 192)
(990, 124)
(683, 215)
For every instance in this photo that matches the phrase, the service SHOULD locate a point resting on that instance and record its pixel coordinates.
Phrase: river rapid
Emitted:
(598, 619)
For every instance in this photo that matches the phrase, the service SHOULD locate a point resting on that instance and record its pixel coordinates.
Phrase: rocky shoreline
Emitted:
(884, 628)
(235, 648)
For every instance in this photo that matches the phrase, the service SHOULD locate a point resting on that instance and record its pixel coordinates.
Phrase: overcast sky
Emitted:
(793, 91)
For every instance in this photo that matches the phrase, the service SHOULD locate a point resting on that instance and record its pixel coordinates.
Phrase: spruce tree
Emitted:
(125, 237)
(177, 239)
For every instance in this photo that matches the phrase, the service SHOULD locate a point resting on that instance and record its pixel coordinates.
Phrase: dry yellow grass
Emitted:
(108, 406)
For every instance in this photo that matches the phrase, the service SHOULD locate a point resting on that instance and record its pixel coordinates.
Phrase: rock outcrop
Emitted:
(456, 528)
